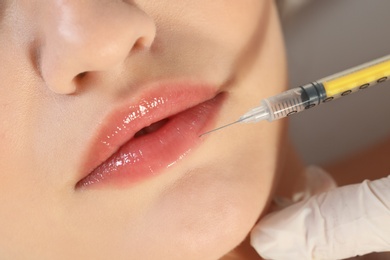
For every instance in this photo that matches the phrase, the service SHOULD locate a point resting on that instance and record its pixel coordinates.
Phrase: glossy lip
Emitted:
(117, 158)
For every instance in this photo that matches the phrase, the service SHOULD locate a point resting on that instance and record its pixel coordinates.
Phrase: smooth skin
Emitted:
(64, 66)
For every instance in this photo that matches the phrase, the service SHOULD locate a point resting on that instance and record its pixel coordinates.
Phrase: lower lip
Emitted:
(148, 155)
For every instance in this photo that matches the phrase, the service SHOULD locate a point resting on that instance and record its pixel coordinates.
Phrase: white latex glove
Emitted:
(344, 222)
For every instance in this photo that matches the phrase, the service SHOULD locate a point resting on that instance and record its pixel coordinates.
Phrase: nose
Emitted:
(86, 36)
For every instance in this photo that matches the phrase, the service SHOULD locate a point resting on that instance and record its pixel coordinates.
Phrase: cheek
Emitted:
(232, 24)
(15, 120)
(229, 24)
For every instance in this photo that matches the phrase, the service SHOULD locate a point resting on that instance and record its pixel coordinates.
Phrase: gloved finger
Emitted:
(345, 222)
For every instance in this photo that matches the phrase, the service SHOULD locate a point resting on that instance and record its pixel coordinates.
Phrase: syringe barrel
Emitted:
(355, 79)
(294, 100)
(324, 90)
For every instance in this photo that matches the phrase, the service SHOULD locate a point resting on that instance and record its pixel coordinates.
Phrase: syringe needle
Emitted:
(219, 128)
(252, 116)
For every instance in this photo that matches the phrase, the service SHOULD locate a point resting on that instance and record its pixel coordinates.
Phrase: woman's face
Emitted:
(81, 78)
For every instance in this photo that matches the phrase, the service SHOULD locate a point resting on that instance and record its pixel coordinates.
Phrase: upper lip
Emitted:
(161, 100)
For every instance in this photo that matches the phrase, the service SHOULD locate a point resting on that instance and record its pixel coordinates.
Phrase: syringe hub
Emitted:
(256, 114)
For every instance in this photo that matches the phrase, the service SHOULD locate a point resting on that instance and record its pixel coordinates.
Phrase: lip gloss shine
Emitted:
(128, 149)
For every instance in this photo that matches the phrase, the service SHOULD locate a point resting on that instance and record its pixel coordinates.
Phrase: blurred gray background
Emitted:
(324, 37)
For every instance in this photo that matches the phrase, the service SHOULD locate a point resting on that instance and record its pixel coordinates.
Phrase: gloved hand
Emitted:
(344, 222)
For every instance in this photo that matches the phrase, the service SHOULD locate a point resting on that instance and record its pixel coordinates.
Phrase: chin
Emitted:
(205, 215)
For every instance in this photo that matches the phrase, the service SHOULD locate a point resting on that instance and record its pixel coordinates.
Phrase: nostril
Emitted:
(80, 78)
(138, 47)
(81, 75)
(142, 43)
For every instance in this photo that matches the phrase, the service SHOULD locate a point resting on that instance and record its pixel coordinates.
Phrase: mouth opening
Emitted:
(152, 128)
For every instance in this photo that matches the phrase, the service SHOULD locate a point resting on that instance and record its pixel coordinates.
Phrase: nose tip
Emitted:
(85, 36)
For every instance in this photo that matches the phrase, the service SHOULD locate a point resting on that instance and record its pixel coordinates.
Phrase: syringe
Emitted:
(321, 91)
